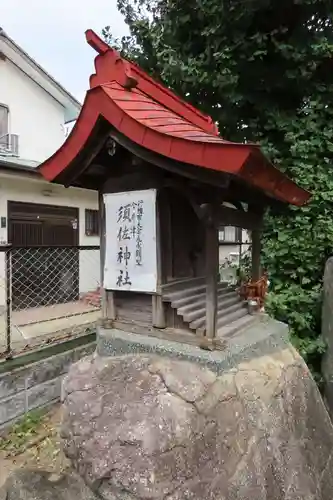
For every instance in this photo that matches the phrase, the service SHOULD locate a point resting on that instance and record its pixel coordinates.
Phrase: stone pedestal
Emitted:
(159, 424)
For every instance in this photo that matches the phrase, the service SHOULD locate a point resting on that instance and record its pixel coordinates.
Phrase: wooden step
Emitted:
(222, 310)
(224, 299)
(223, 313)
(182, 284)
(233, 316)
(184, 293)
(188, 297)
(184, 301)
(237, 326)
(195, 316)
(189, 291)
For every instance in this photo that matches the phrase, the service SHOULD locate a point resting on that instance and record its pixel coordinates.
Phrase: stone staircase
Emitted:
(188, 297)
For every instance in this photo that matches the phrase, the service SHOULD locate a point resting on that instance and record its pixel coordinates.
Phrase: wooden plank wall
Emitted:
(187, 237)
(175, 321)
(133, 306)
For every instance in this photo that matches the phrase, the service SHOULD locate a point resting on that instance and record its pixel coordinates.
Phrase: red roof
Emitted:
(153, 117)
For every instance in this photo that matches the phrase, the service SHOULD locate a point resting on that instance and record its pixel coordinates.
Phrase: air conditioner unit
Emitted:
(9, 145)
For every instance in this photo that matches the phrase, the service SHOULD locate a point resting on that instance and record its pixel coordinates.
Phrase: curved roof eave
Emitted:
(109, 66)
(177, 141)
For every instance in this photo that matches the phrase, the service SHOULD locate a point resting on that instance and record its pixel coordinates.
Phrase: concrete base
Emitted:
(263, 337)
(36, 385)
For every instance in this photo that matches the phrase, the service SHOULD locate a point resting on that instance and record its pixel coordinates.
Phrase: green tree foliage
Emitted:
(263, 69)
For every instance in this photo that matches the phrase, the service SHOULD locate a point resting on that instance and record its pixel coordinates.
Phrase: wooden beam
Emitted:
(166, 236)
(216, 179)
(195, 197)
(186, 192)
(107, 296)
(158, 306)
(250, 195)
(256, 251)
(74, 173)
(212, 249)
(246, 220)
(158, 311)
(133, 181)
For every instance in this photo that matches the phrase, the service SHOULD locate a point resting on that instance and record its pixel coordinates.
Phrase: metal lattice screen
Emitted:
(47, 293)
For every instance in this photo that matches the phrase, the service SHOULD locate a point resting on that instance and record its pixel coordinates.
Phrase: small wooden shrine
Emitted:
(167, 182)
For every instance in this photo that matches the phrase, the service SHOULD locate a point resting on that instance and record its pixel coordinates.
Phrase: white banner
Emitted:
(130, 254)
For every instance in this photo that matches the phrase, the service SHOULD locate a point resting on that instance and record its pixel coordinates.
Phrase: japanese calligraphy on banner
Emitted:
(130, 253)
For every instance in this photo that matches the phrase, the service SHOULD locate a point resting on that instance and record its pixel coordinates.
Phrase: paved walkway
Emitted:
(49, 320)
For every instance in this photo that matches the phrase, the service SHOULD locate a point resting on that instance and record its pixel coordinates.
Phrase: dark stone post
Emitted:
(327, 333)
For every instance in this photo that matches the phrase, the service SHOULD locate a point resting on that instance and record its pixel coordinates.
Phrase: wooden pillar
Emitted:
(166, 224)
(159, 320)
(256, 251)
(158, 307)
(108, 306)
(212, 262)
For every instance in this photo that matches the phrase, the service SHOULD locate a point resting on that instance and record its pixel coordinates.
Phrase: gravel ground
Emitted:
(37, 448)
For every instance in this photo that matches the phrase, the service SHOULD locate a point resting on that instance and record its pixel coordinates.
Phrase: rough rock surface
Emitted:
(25, 484)
(146, 427)
(327, 332)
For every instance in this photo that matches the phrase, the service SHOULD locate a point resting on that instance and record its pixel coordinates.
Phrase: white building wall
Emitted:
(23, 189)
(34, 115)
(229, 255)
(232, 250)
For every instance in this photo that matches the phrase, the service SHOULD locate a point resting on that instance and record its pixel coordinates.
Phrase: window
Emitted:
(222, 234)
(4, 120)
(230, 234)
(239, 235)
(92, 222)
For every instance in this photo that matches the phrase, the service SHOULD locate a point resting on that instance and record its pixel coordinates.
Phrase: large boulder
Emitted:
(24, 484)
(148, 427)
